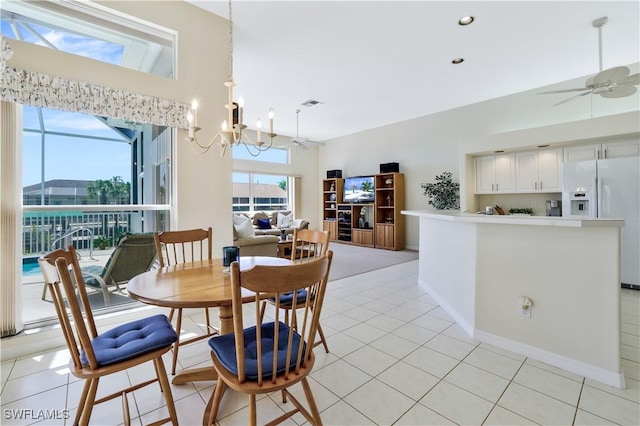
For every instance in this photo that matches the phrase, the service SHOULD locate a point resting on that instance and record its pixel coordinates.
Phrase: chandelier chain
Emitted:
(231, 133)
(230, 33)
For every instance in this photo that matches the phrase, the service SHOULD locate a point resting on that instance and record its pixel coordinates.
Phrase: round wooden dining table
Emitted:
(201, 284)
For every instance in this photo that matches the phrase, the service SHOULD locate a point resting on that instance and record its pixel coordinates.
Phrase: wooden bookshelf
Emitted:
(389, 222)
(332, 190)
(378, 224)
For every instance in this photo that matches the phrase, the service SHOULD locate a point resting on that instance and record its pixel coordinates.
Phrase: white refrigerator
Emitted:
(608, 188)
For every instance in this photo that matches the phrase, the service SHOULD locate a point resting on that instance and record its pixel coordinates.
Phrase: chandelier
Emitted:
(230, 133)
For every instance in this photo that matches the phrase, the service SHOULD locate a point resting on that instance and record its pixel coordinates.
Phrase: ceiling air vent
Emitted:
(310, 103)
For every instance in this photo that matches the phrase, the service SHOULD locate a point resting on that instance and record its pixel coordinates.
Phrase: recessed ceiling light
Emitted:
(466, 20)
(457, 61)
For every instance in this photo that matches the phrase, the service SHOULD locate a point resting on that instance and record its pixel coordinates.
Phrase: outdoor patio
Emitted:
(36, 310)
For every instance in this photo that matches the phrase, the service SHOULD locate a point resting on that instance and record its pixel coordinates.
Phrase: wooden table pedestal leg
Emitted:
(207, 373)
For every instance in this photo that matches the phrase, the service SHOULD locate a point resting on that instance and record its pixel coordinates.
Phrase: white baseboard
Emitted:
(453, 313)
(611, 378)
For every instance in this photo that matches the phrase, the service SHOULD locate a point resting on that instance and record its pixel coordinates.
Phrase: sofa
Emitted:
(258, 233)
(258, 245)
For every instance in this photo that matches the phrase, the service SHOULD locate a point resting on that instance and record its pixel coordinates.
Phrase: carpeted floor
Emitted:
(351, 260)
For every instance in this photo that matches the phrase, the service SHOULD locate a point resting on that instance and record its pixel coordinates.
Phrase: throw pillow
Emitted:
(264, 224)
(239, 218)
(285, 221)
(245, 229)
(297, 223)
(274, 216)
(257, 216)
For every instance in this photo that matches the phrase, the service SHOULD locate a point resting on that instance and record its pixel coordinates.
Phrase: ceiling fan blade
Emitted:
(633, 80)
(619, 92)
(613, 75)
(572, 98)
(563, 91)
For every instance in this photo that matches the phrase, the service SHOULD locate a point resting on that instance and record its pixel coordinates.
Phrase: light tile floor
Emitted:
(396, 358)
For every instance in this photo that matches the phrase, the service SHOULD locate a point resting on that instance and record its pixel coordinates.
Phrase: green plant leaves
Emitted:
(444, 194)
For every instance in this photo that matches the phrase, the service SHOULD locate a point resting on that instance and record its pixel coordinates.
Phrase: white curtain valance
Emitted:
(6, 52)
(42, 90)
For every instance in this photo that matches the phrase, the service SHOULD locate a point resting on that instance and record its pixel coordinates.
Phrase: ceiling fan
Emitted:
(610, 83)
(299, 142)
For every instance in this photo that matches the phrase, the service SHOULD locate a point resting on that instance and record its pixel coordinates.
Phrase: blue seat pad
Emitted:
(287, 298)
(132, 339)
(224, 348)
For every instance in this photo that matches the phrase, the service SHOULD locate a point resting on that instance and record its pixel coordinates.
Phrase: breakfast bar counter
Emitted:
(480, 267)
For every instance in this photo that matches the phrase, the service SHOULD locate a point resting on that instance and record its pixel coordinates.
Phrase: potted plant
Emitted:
(444, 194)
(525, 211)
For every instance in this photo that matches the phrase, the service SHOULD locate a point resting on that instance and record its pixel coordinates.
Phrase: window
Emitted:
(74, 147)
(90, 30)
(260, 192)
(74, 159)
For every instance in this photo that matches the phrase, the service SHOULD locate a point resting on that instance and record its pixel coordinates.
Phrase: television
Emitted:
(359, 189)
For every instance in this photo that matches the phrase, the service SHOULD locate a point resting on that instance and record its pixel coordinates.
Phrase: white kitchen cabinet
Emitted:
(495, 173)
(601, 150)
(539, 171)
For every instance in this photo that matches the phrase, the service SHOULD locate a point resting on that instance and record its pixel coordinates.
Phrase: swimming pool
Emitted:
(30, 266)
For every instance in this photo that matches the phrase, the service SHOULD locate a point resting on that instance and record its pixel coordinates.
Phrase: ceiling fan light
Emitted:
(466, 20)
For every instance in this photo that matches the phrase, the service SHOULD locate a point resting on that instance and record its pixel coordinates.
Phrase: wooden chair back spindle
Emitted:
(174, 247)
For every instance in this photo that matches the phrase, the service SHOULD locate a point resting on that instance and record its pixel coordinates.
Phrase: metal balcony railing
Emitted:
(46, 228)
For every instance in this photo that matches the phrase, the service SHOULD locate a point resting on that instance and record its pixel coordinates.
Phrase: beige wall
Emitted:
(427, 146)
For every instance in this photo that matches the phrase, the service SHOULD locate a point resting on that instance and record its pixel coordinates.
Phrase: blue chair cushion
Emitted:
(287, 298)
(224, 348)
(132, 339)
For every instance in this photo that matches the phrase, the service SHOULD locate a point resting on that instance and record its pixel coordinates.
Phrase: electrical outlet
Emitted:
(525, 313)
(534, 204)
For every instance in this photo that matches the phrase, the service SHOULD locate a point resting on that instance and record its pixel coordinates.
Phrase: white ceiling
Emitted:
(373, 63)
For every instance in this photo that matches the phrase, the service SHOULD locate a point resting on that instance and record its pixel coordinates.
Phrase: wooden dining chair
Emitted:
(96, 355)
(307, 245)
(271, 356)
(175, 247)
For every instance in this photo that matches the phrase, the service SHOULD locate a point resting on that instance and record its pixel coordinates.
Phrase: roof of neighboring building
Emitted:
(62, 187)
(262, 190)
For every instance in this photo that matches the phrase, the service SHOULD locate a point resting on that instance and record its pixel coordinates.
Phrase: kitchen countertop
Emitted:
(558, 221)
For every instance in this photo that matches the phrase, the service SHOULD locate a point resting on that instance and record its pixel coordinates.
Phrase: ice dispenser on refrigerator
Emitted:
(581, 204)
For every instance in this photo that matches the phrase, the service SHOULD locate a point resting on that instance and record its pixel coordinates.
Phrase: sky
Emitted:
(71, 157)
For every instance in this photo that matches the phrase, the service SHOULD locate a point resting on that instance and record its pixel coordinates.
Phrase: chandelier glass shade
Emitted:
(231, 132)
